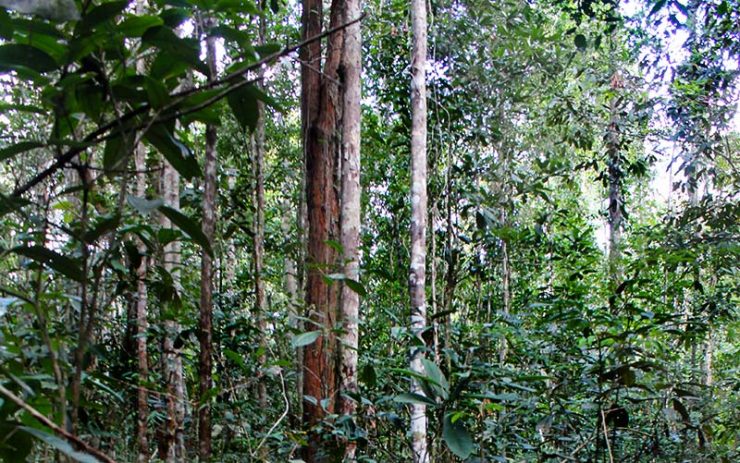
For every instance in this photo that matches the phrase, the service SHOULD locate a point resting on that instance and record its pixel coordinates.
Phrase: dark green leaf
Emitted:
(135, 26)
(188, 226)
(60, 445)
(355, 286)
(243, 103)
(457, 437)
(657, 7)
(18, 148)
(580, 41)
(100, 14)
(176, 153)
(414, 398)
(57, 262)
(18, 56)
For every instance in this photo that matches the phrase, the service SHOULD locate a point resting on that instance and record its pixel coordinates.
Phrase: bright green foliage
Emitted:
(533, 354)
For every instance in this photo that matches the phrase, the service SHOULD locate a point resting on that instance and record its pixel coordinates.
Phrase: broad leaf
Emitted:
(457, 437)
(57, 262)
(176, 153)
(60, 445)
(414, 398)
(21, 147)
(136, 26)
(143, 205)
(305, 339)
(188, 226)
(18, 56)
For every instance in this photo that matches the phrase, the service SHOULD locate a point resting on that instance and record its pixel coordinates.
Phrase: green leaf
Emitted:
(114, 154)
(457, 437)
(188, 226)
(136, 26)
(185, 50)
(21, 147)
(60, 445)
(101, 227)
(355, 286)
(657, 7)
(101, 14)
(144, 206)
(436, 377)
(305, 339)
(176, 153)
(580, 41)
(15, 445)
(57, 262)
(414, 398)
(243, 103)
(240, 6)
(17, 56)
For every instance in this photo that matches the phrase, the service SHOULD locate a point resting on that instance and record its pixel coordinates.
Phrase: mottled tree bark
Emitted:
(350, 218)
(142, 396)
(417, 273)
(173, 445)
(206, 271)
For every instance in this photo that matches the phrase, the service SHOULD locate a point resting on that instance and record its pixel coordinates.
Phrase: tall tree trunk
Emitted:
(142, 396)
(321, 109)
(259, 236)
(350, 218)
(417, 273)
(173, 444)
(206, 270)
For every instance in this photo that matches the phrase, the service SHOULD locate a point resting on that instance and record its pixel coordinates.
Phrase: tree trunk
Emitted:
(142, 396)
(321, 111)
(206, 271)
(417, 272)
(173, 443)
(350, 219)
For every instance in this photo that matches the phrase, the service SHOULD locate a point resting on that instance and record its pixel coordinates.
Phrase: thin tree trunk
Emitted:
(417, 273)
(350, 218)
(506, 290)
(321, 110)
(206, 271)
(258, 138)
(142, 396)
(173, 444)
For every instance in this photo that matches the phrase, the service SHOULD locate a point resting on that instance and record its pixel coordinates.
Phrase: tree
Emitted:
(350, 70)
(417, 271)
(210, 193)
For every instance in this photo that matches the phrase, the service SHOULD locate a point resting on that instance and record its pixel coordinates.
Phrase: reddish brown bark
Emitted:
(321, 107)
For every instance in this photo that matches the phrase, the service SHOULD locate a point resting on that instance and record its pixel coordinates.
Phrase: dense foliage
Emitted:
(582, 246)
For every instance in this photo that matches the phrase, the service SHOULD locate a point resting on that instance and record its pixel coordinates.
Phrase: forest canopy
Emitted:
(379, 231)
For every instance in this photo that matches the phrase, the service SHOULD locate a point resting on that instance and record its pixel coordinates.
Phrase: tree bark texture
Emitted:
(321, 110)
(206, 271)
(142, 367)
(174, 438)
(417, 273)
(350, 213)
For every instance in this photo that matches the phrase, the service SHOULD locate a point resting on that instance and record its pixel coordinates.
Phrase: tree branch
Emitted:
(97, 136)
(51, 425)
